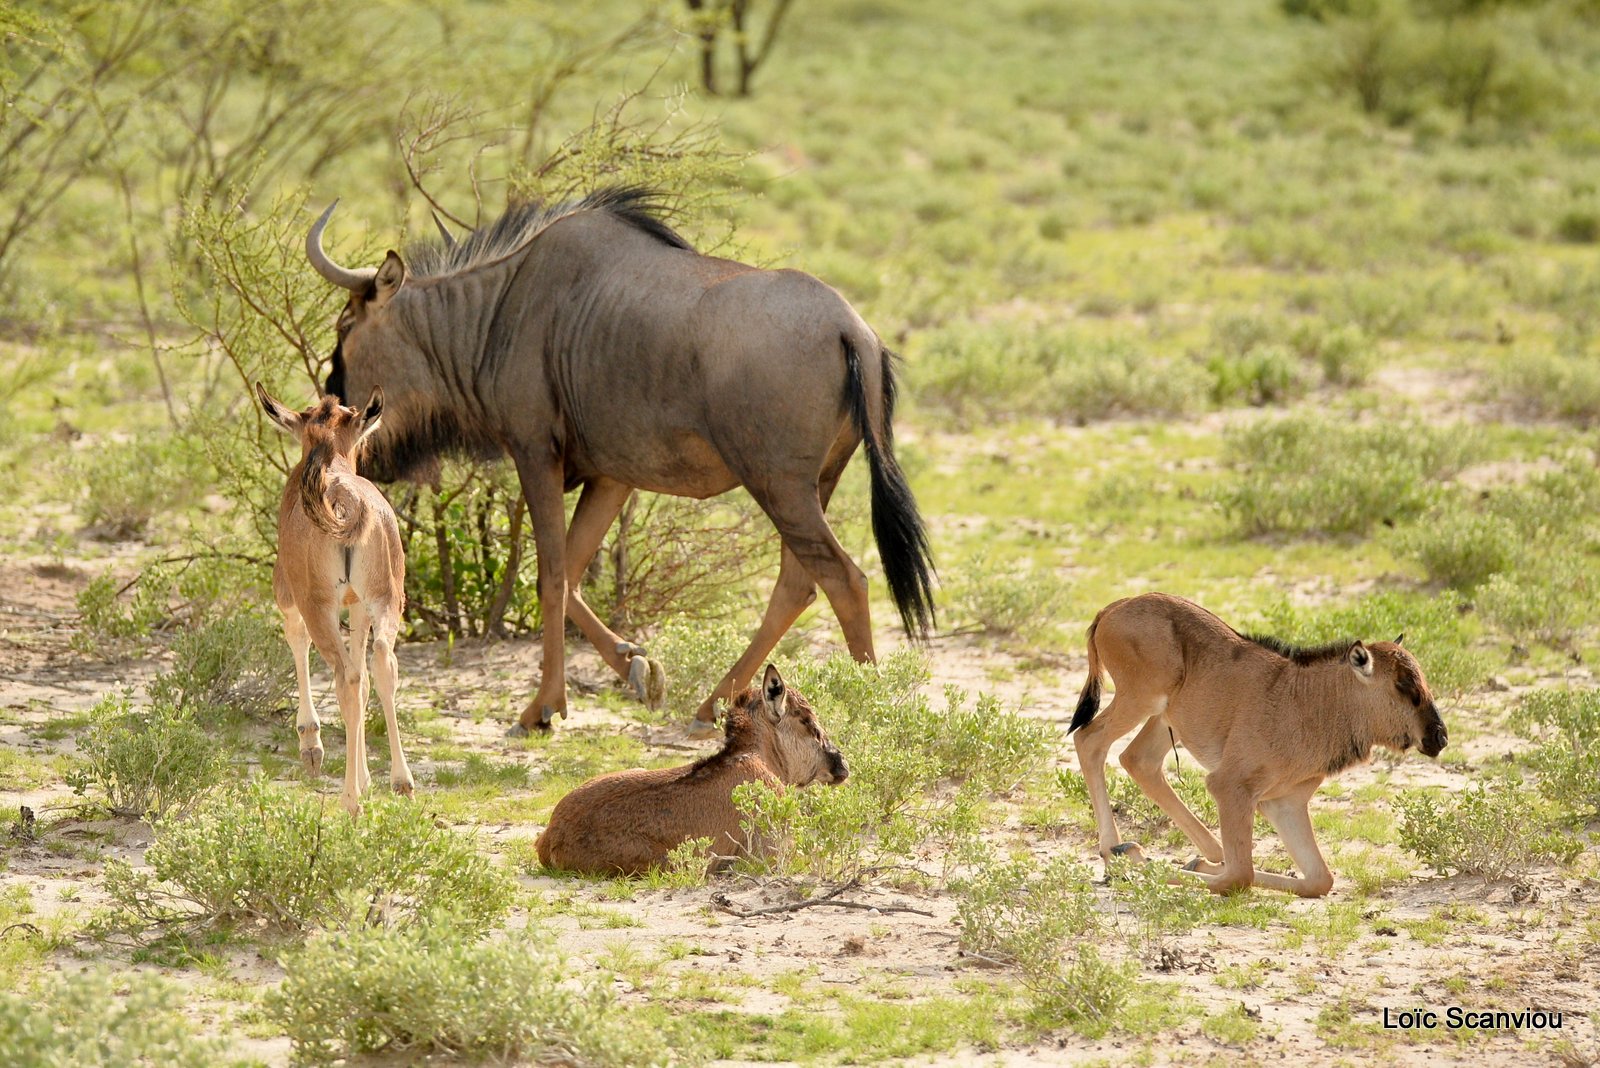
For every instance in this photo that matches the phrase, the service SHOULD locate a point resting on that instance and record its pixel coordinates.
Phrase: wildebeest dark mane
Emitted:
(643, 209)
(412, 450)
(1301, 654)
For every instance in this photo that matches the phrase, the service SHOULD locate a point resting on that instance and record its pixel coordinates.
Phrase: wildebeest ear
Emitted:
(1361, 660)
(772, 693)
(1402, 639)
(391, 276)
(372, 414)
(287, 421)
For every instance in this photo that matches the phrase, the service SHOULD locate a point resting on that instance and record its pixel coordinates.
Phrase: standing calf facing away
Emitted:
(339, 545)
(1269, 721)
(628, 821)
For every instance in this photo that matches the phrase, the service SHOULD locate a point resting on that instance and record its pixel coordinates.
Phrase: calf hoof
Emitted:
(1127, 849)
(352, 805)
(404, 787)
(703, 728)
(311, 761)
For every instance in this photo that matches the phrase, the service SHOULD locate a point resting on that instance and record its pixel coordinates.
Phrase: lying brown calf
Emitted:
(628, 821)
(1268, 720)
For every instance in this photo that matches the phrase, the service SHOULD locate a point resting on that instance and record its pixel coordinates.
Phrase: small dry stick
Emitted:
(724, 904)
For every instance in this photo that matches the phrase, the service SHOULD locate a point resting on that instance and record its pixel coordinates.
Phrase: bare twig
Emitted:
(723, 903)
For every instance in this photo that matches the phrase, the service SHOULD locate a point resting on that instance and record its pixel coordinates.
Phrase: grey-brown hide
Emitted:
(628, 821)
(1268, 721)
(339, 548)
(593, 346)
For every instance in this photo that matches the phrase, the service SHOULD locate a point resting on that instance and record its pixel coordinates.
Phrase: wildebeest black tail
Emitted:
(896, 524)
(1089, 700)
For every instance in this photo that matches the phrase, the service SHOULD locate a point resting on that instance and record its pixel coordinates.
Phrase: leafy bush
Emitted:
(918, 774)
(433, 988)
(1494, 829)
(1551, 384)
(108, 626)
(695, 655)
(1006, 601)
(1460, 547)
(1567, 725)
(1547, 599)
(126, 485)
(146, 761)
(97, 1020)
(293, 861)
(1435, 628)
(1305, 474)
(1266, 374)
(1043, 920)
(237, 665)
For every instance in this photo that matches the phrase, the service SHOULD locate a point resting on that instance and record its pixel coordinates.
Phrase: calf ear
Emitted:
(391, 276)
(1361, 660)
(1402, 639)
(773, 692)
(287, 421)
(372, 415)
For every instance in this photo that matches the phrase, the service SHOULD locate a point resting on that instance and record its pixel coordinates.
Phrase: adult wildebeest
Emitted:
(339, 546)
(1268, 720)
(589, 342)
(627, 822)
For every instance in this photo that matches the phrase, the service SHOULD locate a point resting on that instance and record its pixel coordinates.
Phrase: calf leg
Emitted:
(1292, 819)
(1093, 743)
(306, 724)
(1145, 759)
(386, 670)
(1236, 813)
(360, 628)
(322, 621)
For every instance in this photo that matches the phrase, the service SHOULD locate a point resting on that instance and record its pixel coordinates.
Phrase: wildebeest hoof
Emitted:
(655, 693)
(639, 678)
(404, 787)
(311, 761)
(703, 728)
(516, 730)
(1193, 865)
(629, 650)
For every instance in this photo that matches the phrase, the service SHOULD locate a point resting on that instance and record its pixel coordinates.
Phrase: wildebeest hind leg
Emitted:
(598, 506)
(794, 592)
(796, 510)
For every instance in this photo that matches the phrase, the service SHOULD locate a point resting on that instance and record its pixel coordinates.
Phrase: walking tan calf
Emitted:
(339, 546)
(627, 822)
(1267, 720)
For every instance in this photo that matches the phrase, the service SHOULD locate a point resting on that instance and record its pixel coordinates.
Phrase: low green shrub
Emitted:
(126, 485)
(1566, 723)
(1042, 919)
(111, 625)
(97, 1020)
(1494, 829)
(919, 774)
(1436, 629)
(1006, 601)
(1461, 548)
(431, 987)
(289, 860)
(1311, 475)
(148, 760)
(695, 654)
(1551, 384)
(236, 665)
(1547, 599)
(1267, 374)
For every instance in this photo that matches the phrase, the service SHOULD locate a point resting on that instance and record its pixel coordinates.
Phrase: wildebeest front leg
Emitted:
(541, 480)
(793, 594)
(598, 506)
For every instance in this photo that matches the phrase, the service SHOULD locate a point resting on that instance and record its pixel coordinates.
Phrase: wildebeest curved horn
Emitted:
(449, 242)
(343, 277)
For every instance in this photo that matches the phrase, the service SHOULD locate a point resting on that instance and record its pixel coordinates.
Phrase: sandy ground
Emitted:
(1533, 943)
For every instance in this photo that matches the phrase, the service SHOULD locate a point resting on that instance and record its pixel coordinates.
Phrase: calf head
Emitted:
(794, 743)
(1406, 715)
(327, 425)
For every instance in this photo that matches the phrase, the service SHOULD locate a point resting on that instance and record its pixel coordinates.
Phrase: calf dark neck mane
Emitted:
(1304, 655)
(741, 735)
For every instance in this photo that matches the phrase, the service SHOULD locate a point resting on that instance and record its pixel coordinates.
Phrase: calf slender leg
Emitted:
(322, 621)
(1145, 760)
(306, 724)
(1292, 819)
(541, 477)
(598, 506)
(386, 671)
(1236, 806)
(360, 628)
(1126, 711)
